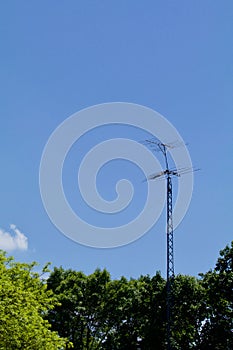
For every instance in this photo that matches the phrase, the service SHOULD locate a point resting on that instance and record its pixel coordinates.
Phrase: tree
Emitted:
(188, 312)
(153, 313)
(96, 312)
(217, 330)
(24, 300)
(81, 315)
(125, 306)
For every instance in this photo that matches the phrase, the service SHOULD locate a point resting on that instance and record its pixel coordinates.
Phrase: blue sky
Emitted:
(175, 57)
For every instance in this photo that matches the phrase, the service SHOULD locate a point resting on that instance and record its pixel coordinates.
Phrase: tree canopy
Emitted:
(24, 303)
(96, 312)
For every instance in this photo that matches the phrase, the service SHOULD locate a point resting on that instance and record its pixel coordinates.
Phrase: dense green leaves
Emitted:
(99, 313)
(24, 300)
(188, 312)
(217, 329)
(95, 312)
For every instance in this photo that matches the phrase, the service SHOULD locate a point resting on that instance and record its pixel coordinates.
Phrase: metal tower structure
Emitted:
(167, 174)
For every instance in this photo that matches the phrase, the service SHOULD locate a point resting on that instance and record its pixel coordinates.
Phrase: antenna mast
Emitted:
(170, 245)
(167, 173)
(170, 252)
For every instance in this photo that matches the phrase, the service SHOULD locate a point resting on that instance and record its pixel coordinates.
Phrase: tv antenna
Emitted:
(168, 174)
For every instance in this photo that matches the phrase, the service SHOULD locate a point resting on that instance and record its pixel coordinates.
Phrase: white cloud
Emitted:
(13, 241)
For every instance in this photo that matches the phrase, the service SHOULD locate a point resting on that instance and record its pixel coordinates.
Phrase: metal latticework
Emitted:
(170, 260)
(170, 253)
(168, 173)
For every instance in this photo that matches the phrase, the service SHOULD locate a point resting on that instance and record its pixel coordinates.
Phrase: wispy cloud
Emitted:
(14, 240)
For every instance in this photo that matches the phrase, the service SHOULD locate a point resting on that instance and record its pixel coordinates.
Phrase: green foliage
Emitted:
(217, 332)
(153, 313)
(24, 300)
(188, 312)
(82, 313)
(95, 312)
